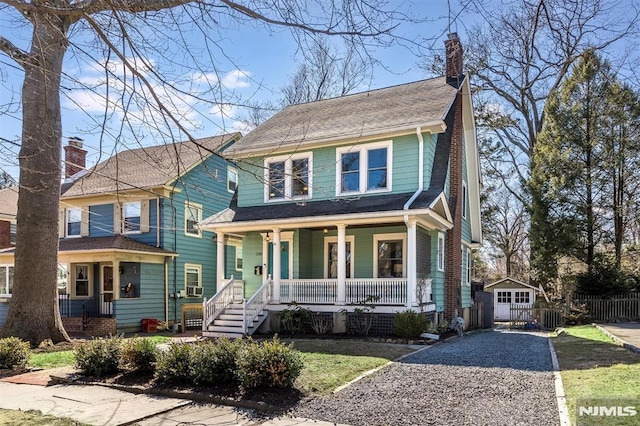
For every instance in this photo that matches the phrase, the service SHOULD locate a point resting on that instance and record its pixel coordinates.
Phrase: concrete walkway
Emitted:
(625, 333)
(100, 405)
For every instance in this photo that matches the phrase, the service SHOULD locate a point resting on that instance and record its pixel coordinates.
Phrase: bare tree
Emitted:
(127, 39)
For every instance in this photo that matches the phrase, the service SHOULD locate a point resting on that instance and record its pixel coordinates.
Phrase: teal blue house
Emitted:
(130, 248)
(373, 196)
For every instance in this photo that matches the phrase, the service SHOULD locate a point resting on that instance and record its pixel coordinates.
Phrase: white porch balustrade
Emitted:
(308, 291)
(388, 291)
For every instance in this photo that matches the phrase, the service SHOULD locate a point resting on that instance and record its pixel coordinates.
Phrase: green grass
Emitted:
(33, 418)
(329, 364)
(51, 359)
(593, 367)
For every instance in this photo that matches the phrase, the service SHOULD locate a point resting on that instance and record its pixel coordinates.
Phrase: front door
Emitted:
(284, 259)
(106, 294)
(502, 304)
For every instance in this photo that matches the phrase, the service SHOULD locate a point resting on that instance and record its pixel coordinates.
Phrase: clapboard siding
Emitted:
(150, 304)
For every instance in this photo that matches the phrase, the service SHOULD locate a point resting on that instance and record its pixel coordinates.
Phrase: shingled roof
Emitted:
(113, 242)
(403, 107)
(146, 167)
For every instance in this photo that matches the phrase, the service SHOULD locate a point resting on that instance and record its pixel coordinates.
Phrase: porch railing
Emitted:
(387, 291)
(308, 291)
(64, 305)
(254, 306)
(213, 307)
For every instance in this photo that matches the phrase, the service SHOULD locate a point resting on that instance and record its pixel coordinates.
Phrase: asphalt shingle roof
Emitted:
(112, 242)
(146, 167)
(406, 106)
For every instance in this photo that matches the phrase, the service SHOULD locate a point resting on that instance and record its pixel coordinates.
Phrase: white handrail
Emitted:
(213, 307)
(255, 305)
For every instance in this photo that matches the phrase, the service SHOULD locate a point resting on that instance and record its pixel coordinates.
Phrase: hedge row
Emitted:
(243, 362)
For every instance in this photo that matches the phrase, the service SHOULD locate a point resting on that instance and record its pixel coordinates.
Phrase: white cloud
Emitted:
(236, 79)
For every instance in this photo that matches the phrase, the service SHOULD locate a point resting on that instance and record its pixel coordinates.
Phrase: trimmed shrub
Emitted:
(138, 354)
(99, 357)
(269, 364)
(176, 363)
(14, 352)
(216, 362)
(409, 324)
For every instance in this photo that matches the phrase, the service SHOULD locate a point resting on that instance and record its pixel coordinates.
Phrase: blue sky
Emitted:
(252, 61)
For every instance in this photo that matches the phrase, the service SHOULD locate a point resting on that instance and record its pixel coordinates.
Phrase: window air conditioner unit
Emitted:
(194, 291)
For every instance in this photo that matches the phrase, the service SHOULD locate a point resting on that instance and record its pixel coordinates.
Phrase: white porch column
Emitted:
(412, 264)
(277, 266)
(342, 265)
(219, 259)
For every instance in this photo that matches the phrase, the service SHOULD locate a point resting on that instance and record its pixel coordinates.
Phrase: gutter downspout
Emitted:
(167, 259)
(411, 227)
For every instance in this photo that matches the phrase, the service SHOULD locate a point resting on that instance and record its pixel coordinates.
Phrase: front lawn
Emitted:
(329, 364)
(33, 418)
(596, 370)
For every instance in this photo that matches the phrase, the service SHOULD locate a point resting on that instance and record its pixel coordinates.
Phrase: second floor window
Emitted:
(364, 169)
(74, 221)
(232, 179)
(288, 178)
(192, 215)
(131, 216)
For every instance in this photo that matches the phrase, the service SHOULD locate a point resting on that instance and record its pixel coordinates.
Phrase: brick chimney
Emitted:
(453, 239)
(75, 158)
(453, 51)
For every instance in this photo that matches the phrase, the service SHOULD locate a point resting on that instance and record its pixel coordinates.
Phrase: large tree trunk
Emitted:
(34, 314)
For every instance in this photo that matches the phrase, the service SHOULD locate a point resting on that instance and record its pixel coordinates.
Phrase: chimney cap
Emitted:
(453, 36)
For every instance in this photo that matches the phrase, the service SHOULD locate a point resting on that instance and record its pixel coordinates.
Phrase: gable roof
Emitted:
(147, 167)
(399, 108)
(8, 203)
(511, 280)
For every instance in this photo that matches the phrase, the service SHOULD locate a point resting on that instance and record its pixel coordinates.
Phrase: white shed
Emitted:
(508, 292)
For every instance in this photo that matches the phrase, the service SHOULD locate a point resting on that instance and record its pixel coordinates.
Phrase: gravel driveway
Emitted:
(489, 378)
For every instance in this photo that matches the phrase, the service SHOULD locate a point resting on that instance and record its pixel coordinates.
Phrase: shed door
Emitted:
(503, 300)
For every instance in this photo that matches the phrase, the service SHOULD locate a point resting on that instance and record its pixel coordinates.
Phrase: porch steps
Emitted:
(229, 323)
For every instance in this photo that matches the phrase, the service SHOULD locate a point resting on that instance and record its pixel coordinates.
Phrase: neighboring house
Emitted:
(372, 194)
(8, 212)
(129, 245)
(508, 293)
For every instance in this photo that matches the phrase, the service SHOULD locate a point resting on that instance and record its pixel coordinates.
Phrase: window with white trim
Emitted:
(389, 255)
(131, 214)
(62, 279)
(238, 257)
(464, 199)
(6, 279)
(440, 252)
(469, 264)
(364, 168)
(504, 297)
(288, 177)
(331, 256)
(522, 297)
(192, 216)
(74, 222)
(193, 279)
(232, 179)
(81, 280)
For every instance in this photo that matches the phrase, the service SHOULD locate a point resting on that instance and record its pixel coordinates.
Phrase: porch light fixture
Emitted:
(267, 237)
(325, 231)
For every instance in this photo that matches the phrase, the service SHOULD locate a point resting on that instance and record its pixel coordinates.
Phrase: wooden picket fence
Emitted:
(605, 309)
(475, 316)
(542, 317)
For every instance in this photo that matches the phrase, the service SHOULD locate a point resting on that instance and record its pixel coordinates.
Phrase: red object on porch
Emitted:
(149, 325)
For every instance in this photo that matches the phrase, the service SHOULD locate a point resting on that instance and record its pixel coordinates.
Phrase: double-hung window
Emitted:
(6, 279)
(468, 267)
(131, 213)
(193, 279)
(389, 255)
(232, 179)
(440, 252)
(288, 177)
(192, 215)
(464, 200)
(74, 222)
(364, 168)
(81, 280)
(331, 256)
